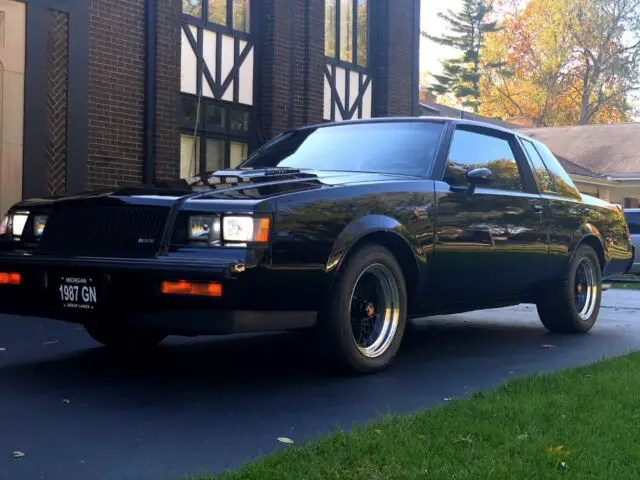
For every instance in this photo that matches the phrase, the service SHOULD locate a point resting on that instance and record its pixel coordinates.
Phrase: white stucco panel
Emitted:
(189, 70)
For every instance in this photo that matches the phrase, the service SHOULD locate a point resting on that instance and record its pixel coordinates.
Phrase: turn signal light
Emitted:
(184, 287)
(10, 278)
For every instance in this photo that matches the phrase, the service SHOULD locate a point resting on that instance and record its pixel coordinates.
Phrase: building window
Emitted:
(214, 136)
(347, 31)
(231, 14)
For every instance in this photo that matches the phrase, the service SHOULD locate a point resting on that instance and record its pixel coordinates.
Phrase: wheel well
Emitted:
(399, 248)
(594, 243)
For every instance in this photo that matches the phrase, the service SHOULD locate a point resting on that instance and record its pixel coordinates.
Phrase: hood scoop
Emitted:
(256, 175)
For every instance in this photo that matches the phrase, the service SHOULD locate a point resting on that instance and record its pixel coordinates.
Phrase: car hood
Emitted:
(245, 185)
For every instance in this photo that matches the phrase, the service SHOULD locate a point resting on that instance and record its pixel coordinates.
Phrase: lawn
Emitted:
(581, 423)
(626, 286)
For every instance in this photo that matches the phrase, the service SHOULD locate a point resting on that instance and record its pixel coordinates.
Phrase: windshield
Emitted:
(404, 148)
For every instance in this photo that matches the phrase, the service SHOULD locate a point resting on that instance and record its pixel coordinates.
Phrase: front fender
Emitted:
(363, 227)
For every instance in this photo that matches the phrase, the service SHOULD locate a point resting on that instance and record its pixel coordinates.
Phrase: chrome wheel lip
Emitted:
(586, 290)
(388, 317)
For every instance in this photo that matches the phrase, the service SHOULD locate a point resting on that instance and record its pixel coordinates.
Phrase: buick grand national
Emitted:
(343, 230)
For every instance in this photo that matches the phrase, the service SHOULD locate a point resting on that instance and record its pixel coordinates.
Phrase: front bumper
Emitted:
(128, 292)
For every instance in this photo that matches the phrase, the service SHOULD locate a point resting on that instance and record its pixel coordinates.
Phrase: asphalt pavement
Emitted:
(74, 412)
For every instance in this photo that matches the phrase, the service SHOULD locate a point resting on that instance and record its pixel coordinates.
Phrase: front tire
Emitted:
(363, 324)
(572, 304)
(124, 339)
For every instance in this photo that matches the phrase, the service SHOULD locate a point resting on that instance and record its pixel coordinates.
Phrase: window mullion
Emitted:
(354, 32)
(205, 11)
(338, 48)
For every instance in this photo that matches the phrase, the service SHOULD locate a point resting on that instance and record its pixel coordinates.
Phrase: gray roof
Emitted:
(435, 109)
(601, 149)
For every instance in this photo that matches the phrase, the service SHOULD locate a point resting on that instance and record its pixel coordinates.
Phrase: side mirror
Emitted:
(477, 176)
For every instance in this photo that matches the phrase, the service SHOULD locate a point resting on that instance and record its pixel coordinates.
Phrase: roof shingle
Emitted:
(601, 149)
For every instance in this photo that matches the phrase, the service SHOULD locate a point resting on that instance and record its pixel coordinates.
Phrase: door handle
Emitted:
(538, 208)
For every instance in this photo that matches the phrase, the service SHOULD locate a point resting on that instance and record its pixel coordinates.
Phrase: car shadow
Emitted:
(438, 350)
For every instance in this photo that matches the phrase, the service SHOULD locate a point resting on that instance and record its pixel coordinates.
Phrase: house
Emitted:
(430, 108)
(603, 160)
(99, 93)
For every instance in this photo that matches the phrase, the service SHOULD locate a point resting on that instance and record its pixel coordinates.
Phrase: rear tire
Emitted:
(124, 339)
(363, 324)
(572, 304)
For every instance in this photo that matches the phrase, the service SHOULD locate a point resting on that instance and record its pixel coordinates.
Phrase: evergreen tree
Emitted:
(468, 28)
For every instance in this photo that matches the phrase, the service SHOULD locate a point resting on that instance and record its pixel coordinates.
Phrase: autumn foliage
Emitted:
(565, 62)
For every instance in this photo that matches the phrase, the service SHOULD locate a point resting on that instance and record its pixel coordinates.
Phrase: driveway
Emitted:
(211, 404)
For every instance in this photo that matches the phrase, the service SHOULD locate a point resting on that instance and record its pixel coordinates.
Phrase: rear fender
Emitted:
(591, 235)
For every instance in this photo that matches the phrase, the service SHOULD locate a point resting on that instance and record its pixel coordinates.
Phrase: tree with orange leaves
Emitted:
(566, 61)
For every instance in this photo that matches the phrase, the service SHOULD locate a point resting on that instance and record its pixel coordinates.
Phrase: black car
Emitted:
(345, 230)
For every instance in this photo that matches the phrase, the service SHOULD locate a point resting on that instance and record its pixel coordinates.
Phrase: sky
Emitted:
(431, 54)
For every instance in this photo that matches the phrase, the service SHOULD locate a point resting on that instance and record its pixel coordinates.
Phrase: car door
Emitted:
(492, 243)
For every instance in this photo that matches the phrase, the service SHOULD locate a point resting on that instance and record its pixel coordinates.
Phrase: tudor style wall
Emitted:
(228, 76)
(311, 61)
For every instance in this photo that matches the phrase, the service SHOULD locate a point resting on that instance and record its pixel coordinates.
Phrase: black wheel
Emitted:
(123, 339)
(572, 304)
(363, 324)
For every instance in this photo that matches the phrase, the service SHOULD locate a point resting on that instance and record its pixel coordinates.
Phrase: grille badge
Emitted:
(146, 241)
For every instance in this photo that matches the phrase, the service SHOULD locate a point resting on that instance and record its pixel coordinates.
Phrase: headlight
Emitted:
(19, 221)
(205, 228)
(39, 222)
(4, 225)
(245, 229)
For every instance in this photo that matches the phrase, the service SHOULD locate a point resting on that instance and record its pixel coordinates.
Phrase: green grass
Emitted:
(632, 282)
(626, 286)
(579, 424)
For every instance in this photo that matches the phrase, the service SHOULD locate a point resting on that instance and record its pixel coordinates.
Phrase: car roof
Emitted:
(439, 119)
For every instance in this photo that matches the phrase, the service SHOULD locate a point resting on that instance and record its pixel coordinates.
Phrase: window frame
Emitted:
(225, 133)
(204, 22)
(526, 174)
(337, 60)
(533, 169)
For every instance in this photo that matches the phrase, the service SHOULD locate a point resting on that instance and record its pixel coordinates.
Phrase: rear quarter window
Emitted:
(563, 183)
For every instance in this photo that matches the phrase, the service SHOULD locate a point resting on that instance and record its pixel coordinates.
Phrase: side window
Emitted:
(633, 219)
(471, 150)
(561, 179)
(545, 182)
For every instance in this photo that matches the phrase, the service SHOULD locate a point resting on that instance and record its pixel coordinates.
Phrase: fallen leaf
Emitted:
(17, 454)
(548, 346)
(51, 342)
(284, 440)
(66, 400)
(466, 439)
(448, 399)
(523, 436)
(378, 431)
(564, 465)
(557, 450)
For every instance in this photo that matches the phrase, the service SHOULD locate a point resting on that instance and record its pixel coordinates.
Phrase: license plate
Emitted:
(77, 292)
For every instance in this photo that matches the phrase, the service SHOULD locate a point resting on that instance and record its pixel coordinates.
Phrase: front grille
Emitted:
(104, 231)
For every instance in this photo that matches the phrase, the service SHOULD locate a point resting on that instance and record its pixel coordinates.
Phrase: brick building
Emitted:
(100, 93)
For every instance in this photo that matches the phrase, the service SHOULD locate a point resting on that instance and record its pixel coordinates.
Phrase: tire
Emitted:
(123, 339)
(567, 306)
(372, 269)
